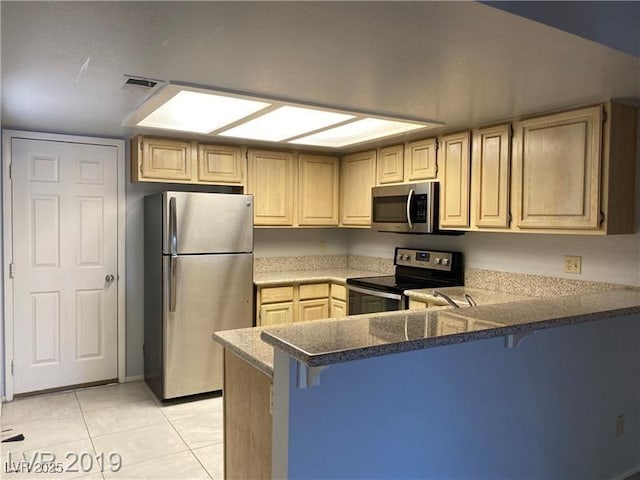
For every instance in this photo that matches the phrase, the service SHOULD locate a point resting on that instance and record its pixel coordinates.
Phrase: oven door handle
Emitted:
(375, 293)
(409, 209)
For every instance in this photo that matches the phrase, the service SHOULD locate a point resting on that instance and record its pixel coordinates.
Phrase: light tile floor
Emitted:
(178, 441)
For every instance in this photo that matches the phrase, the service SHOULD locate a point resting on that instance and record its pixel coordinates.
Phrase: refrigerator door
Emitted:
(202, 294)
(206, 223)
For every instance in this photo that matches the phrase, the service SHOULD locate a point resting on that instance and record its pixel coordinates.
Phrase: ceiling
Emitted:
(461, 63)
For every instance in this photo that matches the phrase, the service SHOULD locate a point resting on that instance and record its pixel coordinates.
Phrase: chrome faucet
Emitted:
(448, 299)
(470, 301)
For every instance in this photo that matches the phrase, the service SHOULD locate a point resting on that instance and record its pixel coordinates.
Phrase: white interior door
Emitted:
(65, 239)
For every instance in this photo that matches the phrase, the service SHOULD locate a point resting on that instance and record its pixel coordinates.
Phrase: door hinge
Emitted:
(601, 218)
(12, 270)
(13, 369)
(11, 170)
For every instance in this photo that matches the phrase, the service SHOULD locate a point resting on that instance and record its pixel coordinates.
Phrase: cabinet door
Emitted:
(338, 308)
(450, 326)
(454, 162)
(313, 309)
(271, 181)
(420, 160)
(390, 165)
(357, 176)
(318, 190)
(276, 313)
(221, 165)
(556, 170)
(416, 304)
(490, 176)
(161, 160)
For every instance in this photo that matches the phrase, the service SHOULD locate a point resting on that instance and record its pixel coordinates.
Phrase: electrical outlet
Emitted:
(572, 264)
(620, 425)
(323, 246)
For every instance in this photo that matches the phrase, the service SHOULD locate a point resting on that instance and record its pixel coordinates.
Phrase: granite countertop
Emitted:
(325, 342)
(482, 297)
(336, 275)
(247, 344)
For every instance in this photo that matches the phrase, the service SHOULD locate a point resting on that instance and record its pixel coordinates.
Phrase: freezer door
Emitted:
(207, 223)
(202, 294)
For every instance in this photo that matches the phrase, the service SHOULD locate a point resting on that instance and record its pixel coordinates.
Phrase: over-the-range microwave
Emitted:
(409, 208)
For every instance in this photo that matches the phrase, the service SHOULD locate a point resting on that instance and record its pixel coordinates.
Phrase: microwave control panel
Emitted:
(424, 259)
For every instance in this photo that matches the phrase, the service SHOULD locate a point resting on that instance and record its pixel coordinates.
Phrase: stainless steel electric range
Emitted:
(415, 269)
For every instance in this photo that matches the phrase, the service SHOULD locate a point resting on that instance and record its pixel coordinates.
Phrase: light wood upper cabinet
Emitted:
(556, 170)
(318, 187)
(490, 176)
(390, 165)
(160, 160)
(574, 172)
(420, 161)
(271, 181)
(220, 164)
(357, 176)
(180, 161)
(454, 163)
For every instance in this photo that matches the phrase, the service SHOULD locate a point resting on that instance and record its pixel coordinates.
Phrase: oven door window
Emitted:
(390, 209)
(361, 302)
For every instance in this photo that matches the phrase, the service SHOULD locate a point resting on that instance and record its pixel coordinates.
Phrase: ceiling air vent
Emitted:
(139, 84)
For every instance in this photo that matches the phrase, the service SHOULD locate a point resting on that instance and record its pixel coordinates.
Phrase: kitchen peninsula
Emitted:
(369, 397)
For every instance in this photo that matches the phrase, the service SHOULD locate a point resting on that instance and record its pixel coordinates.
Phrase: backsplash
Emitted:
(298, 263)
(532, 285)
(371, 264)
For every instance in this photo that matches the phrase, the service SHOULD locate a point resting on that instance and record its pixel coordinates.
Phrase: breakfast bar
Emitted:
(370, 396)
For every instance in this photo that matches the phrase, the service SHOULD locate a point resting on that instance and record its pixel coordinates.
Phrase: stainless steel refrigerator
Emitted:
(198, 279)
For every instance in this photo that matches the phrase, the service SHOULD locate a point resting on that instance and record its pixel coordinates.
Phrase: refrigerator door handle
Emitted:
(173, 227)
(173, 281)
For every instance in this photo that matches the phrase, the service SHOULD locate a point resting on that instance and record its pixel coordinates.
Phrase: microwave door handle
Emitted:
(409, 209)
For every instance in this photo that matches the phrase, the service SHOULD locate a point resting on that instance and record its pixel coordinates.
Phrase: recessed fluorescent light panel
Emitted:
(358, 132)
(200, 112)
(215, 113)
(286, 122)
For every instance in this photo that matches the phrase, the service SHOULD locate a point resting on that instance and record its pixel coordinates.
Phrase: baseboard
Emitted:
(134, 378)
(627, 474)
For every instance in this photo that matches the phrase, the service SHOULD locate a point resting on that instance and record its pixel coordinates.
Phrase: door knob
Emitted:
(109, 279)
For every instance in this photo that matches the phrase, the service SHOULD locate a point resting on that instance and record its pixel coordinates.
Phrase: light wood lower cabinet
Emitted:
(315, 309)
(357, 176)
(276, 313)
(247, 420)
(299, 303)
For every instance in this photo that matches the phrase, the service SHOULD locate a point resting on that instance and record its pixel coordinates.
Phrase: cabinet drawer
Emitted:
(338, 291)
(314, 290)
(276, 294)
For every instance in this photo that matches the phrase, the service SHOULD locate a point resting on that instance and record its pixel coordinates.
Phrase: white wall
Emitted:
(545, 409)
(614, 259)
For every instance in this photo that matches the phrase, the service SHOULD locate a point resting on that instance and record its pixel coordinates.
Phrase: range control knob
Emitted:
(445, 261)
(438, 260)
(406, 257)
